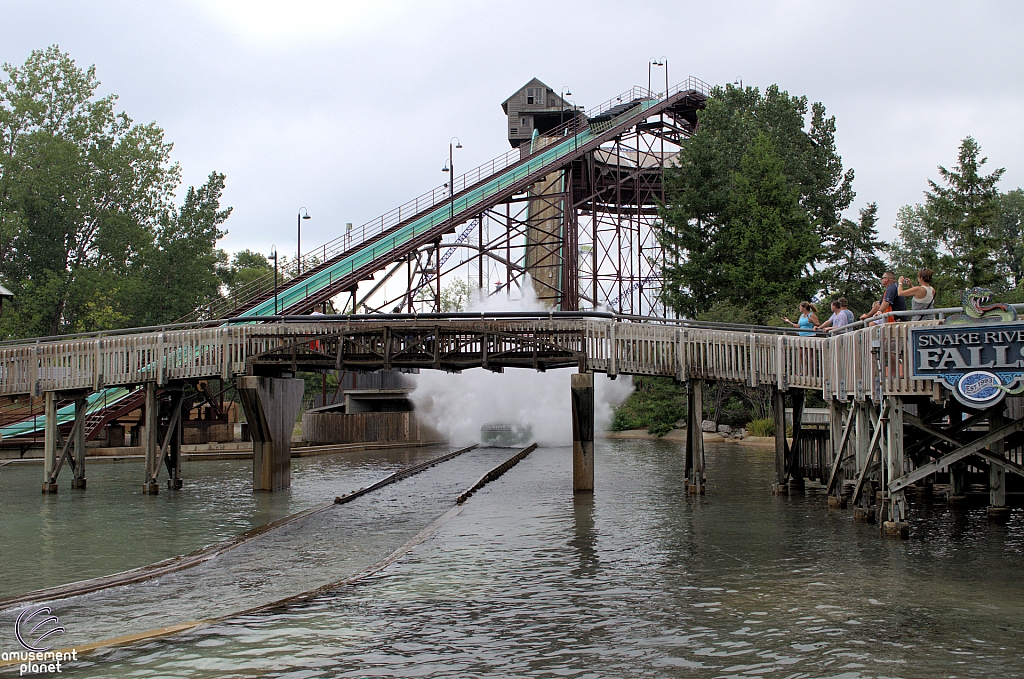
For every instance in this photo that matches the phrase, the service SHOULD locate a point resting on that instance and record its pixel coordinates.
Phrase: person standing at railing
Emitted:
(838, 319)
(891, 300)
(808, 319)
(845, 304)
(922, 295)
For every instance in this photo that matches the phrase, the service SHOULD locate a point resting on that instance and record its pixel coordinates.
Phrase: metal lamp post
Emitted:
(273, 256)
(562, 94)
(656, 61)
(453, 144)
(298, 227)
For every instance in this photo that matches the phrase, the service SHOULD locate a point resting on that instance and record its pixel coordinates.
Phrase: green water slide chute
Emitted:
(94, 402)
(551, 155)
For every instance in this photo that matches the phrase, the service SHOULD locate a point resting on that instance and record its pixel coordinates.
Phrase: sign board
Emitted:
(979, 363)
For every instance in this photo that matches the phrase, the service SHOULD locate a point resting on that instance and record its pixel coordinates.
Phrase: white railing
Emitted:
(869, 362)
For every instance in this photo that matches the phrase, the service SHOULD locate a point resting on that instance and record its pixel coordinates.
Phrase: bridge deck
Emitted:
(844, 366)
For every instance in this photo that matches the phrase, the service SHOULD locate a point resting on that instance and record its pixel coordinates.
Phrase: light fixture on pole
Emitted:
(562, 94)
(575, 137)
(298, 221)
(453, 144)
(273, 256)
(657, 61)
(738, 82)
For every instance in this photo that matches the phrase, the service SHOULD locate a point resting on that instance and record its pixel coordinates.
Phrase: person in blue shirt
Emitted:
(891, 300)
(808, 319)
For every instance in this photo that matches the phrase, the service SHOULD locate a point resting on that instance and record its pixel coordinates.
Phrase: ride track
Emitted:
(206, 554)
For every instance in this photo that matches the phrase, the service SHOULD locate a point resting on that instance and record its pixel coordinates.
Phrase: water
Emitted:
(55, 539)
(636, 581)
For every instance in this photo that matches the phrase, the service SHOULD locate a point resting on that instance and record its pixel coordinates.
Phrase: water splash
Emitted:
(457, 405)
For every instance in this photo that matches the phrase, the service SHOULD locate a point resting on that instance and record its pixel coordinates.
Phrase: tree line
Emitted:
(753, 223)
(91, 234)
(753, 219)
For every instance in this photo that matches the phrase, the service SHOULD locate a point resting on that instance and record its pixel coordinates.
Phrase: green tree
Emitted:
(90, 237)
(245, 268)
(455, 296)
(854, 266)
(1009, 233)
(768, 242)
(963, 215)
(696, 230)
(181, 268)
(915, 246)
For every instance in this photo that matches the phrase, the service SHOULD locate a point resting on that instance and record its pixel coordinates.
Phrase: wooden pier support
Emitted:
(997, 509)
(779, 413)
(78, 442)
(583, 432)
(55, 449)
(793, 470)
(693, 470)
(163, 444)
(271, 407)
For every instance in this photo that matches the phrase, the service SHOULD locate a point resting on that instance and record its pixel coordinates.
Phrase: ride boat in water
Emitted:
(505, 435)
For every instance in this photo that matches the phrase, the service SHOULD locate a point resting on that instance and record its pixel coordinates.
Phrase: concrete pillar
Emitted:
(51, 442)
(151, 439)
(694, 466)
(79, 442)
(997, 509)
(779, 412)
(583, 432)
(271, 406)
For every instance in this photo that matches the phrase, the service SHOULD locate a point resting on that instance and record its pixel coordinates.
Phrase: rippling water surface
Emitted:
(636, 581)
(111, 526)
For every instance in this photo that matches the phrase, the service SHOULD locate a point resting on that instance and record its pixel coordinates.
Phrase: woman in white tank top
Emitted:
(922, 295)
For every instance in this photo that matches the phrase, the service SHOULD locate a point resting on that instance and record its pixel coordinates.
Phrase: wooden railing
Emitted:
(869, 362)
(872, 362)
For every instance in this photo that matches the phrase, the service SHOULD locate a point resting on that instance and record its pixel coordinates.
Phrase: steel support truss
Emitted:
(583, 234)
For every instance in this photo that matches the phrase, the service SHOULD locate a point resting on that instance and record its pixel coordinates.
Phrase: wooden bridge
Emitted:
(890, 433)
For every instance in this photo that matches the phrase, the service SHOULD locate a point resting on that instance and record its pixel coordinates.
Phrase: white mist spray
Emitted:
(457, 405)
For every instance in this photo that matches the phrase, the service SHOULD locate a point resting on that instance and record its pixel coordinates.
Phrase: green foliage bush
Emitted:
(656, 403)
(765, 427)
(761, 427)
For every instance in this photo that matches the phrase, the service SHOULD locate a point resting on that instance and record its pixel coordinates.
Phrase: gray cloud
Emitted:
(348, 111)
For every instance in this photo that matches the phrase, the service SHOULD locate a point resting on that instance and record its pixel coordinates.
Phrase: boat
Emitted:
(505, 434)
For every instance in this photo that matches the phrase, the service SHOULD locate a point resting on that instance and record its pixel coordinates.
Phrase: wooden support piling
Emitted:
(779, 412)
(693, 468)
(151, 441)
(997, 509)
(793, 470)
(582, 432)
(78, 432)
(171, 450)
(51, 442)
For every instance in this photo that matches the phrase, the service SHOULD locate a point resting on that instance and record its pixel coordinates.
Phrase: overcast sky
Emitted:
(346, 108)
